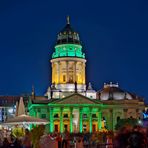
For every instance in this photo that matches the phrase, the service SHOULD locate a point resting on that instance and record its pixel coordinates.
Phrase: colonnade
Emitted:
(70, 119)
(72, 70)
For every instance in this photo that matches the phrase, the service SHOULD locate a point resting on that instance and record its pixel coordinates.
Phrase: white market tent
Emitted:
(21, 118)
(25, 119)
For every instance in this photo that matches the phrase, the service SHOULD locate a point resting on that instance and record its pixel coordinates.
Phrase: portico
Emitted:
(75, 113)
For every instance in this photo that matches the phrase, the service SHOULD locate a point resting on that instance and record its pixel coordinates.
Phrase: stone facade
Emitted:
(78, 113)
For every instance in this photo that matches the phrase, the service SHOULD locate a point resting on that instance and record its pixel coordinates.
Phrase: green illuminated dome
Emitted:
(68, 43)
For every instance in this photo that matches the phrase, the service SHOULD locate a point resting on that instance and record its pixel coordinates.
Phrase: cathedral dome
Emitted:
(67, 35)
(113, 92)
(68, 43)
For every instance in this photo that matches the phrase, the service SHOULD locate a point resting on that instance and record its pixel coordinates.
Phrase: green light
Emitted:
(54, 107)
(90, 122)
(51, 120)
(61, 120)
(81, 124)
(75, 105)
(99, 120)
(71, 124)
(36, 105)
(68, 50)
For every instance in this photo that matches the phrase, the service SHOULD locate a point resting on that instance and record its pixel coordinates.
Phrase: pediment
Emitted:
(76, 99)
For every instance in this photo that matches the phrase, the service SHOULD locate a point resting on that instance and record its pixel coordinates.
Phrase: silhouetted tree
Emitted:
(124, 122)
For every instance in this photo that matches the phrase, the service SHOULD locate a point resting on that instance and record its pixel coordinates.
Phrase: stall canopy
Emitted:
(22, 118)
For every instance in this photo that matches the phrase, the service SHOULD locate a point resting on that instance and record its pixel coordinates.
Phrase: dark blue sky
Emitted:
(114, 34)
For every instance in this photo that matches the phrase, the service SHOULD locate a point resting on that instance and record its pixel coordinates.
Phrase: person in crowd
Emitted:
(5, 143)
(26, 141)
(85, 139)
(79, 143)
(131, 138)
(1, 138)
(59, 140)
(48, 141)
(121, 139)
(109, 142)
(65, 137)
(14, 142)
(93, 139)
(136, 140)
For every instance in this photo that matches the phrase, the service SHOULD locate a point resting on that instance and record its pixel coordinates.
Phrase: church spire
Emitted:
(33, 92)
(68, 19)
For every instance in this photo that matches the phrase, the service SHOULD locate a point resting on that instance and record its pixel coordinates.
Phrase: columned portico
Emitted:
(76, 113)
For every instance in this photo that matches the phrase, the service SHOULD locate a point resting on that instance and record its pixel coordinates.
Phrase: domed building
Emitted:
(113, 92)
(121, 104)
(69, 103)
(68, 65)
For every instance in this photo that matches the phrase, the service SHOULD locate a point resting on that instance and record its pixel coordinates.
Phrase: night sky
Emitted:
(114, 36)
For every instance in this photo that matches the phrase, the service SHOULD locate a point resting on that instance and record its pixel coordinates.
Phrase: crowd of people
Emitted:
(131, 137)
(126, 137)
(10, 141)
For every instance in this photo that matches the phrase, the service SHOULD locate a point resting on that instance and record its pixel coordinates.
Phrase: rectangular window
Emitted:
(94, 116)
(84, 115)
(56, 116)
(43, 116)
(65, 116)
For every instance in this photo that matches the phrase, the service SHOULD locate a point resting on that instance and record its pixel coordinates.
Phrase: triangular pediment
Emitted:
(76, 99)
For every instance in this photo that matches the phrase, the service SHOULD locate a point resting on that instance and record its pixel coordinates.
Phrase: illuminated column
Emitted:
(35, 112)
(71, 120)
(81, 73)
(80, 120)
(83, 76)
(67, 71)
(61, 120)
(90, 120)
(75, 76)
(58, 71)
(72, 70)
(53, 74)
(51, 120)
(99, 120)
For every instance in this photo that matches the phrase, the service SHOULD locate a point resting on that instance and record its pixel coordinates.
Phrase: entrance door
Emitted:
(65, 127)
(93, 127)
(56, 128)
